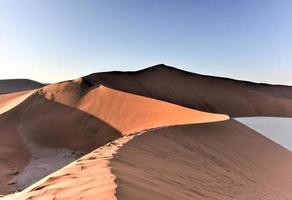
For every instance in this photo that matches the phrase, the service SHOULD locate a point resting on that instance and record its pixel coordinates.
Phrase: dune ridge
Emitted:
(92, 171)
(97, 117)
(18, 85)
(59, 123)
(207, 159)
(201, 92)
(221, 161)
(9, 101)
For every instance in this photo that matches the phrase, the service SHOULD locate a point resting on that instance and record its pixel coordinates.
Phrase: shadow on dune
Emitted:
(17, 85)
(205, 93)
(30, 130)
(221, 160)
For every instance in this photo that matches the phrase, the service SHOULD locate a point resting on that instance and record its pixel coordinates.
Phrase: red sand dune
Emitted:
(9, 101)
(37, 130)
(58, 123)
(221, 161)
(201, 92)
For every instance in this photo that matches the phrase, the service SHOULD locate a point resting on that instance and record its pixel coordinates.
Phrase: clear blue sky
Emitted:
(53, 40)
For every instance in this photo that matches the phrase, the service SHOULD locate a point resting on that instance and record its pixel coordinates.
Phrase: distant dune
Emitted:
(17, 85)
(10, 100)
(143, 137)
(206, 93)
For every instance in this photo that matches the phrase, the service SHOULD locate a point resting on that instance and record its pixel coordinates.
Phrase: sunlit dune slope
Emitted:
(9, 101)
(59, 123)
(125, 112)
(206, 93)
(220, 161)
(130, 113)
(17, 85)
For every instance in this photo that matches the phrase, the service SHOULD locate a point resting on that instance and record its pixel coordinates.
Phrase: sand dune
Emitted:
(95, 180)
(130, 113)
(17, 85)
(44, 130)
(9, 101)
(201, 92)
(223, 160)
(41, 127)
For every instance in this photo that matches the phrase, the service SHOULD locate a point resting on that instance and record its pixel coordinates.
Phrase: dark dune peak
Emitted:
(207, 93)
(17, 85)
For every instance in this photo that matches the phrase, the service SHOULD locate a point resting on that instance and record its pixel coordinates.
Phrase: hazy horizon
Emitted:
(50, 41)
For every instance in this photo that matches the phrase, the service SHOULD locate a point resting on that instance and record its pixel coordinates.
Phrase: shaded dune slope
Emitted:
(40, 136)
(17, 85)
(201, 92)
(220, 161)
(44, 134)
(60, 122)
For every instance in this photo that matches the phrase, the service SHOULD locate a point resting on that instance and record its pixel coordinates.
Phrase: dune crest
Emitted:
(221, 160)
(93, 171)
(60, 122)
(94, 175)
(18, 85)
(124, 111)
(9, 101)
(95, 116)
(130, 113)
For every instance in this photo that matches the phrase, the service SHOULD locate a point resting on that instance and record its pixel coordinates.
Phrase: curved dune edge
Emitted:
(220, 161)
(86, 178)
(124, 111)
(98, 116)
(9, 101)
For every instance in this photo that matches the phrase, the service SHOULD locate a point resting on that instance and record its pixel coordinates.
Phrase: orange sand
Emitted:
(9, 101)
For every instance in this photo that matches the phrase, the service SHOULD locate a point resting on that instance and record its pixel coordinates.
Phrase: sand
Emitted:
(220, 161)
(147, 135)
(9, 101)
(17, 85)
(200, 92)
(42, 126)
(223, 160)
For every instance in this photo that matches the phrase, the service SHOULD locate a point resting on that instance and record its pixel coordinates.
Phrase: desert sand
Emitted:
(41, 128)
(9, 101)
(206, 93)
(17, 85)
(150, 134)
(223, 160)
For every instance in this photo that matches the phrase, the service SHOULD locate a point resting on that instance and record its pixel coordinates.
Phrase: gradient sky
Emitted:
(54, 40)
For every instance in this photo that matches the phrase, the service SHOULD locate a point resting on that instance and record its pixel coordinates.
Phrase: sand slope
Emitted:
(9, 101)
(206, 93)
(89, 177)
(44, 134)
(130, 113)
(43, 131)
(220, 161)
(17, 85)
